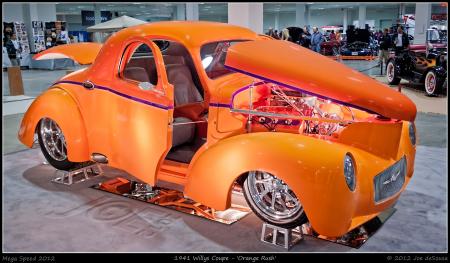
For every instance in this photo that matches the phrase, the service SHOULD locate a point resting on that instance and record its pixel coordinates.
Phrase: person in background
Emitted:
(54, 38)
(275, 34)
(306, 38)
(401, 41)
(48, 43)
(14, 49)
(338, 36)
(285, 35)
(385, 43)
(316, 40)
(332, 36)
(380, 34)
(270, 32)
(71, 39)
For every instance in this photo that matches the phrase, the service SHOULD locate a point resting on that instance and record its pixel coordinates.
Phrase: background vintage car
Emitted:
(425, 64)
(165, 101)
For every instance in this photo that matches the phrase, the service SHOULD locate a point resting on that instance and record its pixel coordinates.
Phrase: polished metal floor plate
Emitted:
(358, 236)
(171, 199)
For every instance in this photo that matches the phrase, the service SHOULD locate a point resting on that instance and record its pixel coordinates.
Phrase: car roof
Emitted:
(190, 33)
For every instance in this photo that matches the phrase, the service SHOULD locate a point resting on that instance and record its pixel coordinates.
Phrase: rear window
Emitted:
(145, 50)
(213, 58)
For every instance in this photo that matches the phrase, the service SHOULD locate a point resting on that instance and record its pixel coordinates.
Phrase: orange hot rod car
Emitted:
(207, 105)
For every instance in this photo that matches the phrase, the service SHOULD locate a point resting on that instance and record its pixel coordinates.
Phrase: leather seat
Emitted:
(183, 133)
(185, 91)
(136, 73)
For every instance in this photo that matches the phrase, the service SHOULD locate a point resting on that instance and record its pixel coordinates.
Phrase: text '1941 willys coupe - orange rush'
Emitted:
(207, 105)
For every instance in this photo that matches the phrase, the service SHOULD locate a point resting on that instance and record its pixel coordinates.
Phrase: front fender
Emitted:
(60, 106)
(312, 168)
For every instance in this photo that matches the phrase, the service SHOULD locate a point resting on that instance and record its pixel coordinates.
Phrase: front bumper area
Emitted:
(342, 210)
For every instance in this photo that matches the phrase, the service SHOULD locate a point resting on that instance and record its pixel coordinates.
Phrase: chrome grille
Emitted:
(390, 181)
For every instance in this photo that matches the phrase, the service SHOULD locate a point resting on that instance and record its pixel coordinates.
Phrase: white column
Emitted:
(345, 19)
(423, 17)
(402, 9)
(277, 21)
(308, 16)
(180, 12)
(248, 15)
(37, 12)
(300, 15)
(362, 16)
(97, 14)
(191, 11)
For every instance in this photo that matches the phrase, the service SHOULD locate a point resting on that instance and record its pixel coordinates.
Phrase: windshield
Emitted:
(437, 36)
(213, 58)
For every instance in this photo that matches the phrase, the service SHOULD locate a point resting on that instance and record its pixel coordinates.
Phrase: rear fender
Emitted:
(58, 105)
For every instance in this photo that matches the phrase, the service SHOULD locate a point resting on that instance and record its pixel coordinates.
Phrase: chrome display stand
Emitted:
(354, 238)
(79, 175)
(289, 237)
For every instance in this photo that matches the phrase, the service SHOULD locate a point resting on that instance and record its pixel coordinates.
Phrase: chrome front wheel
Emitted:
(272, 200)
(53, 144)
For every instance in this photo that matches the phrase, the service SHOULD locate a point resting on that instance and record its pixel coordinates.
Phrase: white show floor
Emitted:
(42, 216)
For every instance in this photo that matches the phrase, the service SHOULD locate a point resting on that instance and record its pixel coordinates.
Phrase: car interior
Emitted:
(190, 113)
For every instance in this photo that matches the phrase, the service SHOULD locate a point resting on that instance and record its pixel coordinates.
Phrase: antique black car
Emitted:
(425, 64)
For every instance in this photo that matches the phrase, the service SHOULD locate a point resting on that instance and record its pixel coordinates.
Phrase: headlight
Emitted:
(349, 171)
(412, 133)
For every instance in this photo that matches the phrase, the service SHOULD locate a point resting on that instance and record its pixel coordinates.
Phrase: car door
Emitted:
(135, 112)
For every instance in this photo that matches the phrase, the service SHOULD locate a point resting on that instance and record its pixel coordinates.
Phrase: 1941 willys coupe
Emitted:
(206, 105)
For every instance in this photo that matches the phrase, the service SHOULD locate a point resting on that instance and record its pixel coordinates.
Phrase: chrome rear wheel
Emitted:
(53, 144)
(53, 139)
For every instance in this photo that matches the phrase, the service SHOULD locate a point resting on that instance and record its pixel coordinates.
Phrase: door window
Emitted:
(140, 64)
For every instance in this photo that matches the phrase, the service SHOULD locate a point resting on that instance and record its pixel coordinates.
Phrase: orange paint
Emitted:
(132, 127)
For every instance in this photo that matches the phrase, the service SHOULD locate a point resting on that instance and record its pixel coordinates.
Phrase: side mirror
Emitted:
(149, 86)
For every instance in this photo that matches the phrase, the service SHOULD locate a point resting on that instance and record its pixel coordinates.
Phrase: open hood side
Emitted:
(293, 66)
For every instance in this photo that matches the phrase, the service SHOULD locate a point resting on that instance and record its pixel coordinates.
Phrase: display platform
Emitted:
(172, 199)
(42, 216)
(358, 57)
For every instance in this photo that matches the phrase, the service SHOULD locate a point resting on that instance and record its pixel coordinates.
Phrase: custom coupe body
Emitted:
(167, 101)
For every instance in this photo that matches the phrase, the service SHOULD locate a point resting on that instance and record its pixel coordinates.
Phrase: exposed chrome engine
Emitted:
(292, 108)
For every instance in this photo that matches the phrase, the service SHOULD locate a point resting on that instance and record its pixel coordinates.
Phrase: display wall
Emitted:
(326, 17)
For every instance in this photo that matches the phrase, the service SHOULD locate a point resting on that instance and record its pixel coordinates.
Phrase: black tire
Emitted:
(392, 79)
(297, 219)
(64, 165)
(436, 88)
